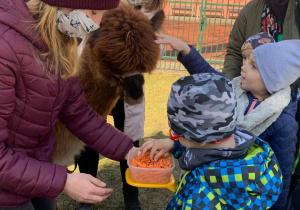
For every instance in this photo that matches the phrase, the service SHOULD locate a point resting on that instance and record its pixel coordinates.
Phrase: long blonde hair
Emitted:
(62, 50)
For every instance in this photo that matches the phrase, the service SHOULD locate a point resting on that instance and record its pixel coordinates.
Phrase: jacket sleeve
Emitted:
(177, 149)
(20, 174)
(283, 144)
(233, 58)
(195, 63)
(91, 128)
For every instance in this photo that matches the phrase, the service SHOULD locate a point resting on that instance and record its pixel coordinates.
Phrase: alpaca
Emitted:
(113, 60)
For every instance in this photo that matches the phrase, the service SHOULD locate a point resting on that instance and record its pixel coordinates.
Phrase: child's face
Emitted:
(251, 79)
(246, 54)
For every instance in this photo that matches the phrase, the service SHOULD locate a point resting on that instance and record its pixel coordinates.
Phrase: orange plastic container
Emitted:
(149, 175)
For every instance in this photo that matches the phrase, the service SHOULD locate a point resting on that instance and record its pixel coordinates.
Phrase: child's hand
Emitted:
(157, 147)
(176, 44)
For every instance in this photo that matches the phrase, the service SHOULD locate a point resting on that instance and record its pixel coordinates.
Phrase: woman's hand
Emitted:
(176, 44)
(86, 188)
(157, 147)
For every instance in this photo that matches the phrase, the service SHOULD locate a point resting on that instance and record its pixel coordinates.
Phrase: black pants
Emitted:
(118, 113)
(88, 161)
(34, 204)
(89, 158)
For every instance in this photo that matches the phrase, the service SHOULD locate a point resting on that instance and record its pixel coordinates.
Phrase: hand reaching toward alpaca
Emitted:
(176, 44)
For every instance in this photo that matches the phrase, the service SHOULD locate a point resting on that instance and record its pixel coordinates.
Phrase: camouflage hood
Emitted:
(201, 107)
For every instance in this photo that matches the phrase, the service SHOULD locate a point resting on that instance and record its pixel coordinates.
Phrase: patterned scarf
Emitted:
(269, 23)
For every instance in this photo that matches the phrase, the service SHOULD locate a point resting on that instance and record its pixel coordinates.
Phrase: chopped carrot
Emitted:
(153, 176)
(145, 162)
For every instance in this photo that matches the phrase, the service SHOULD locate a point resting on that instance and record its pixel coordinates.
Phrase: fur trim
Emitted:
(266, 113)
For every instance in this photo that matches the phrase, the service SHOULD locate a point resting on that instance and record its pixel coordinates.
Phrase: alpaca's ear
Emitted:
(158, 19)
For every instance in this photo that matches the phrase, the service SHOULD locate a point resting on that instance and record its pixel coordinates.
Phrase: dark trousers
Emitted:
(34, 204)
(118, 113)
(89, 158)
(88, 161)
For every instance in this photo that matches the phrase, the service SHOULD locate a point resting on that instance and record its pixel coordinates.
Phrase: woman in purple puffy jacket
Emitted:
(38, 65)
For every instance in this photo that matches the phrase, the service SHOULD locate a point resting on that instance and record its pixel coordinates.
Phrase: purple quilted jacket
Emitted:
(30, 104)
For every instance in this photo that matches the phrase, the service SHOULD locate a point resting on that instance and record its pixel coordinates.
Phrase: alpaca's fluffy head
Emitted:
(125, 41)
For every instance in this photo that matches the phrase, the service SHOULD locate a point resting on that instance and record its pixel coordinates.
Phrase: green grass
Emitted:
(157, 89)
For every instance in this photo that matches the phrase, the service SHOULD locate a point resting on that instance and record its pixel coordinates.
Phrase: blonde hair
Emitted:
(152, 5)
(62, 50)
(149, 5)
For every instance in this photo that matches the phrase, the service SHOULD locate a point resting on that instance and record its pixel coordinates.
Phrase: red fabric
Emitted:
(85, 4)
(30, 104)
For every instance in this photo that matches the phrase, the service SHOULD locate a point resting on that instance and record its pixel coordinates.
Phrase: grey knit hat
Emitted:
(278, 63)
(201, 107)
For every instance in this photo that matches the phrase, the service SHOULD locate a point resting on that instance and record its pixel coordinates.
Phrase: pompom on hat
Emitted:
(84, 4)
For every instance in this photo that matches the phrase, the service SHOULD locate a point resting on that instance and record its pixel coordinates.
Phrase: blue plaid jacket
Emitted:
(281, 135)
(253, 182)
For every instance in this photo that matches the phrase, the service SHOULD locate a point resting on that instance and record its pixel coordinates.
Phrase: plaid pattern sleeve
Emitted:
(177, 149)
(254, 182)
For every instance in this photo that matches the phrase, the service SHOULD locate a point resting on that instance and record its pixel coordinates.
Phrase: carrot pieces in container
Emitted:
(145, 162)
(143, 170)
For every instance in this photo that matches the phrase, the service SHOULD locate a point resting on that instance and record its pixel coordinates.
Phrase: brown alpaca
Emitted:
(124, 46)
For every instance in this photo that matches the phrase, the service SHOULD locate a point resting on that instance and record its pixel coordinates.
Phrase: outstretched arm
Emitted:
(91, 128)
(188, 55)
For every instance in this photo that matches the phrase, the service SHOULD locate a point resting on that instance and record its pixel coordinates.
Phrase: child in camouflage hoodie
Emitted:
(265, 105)
(225, 168)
